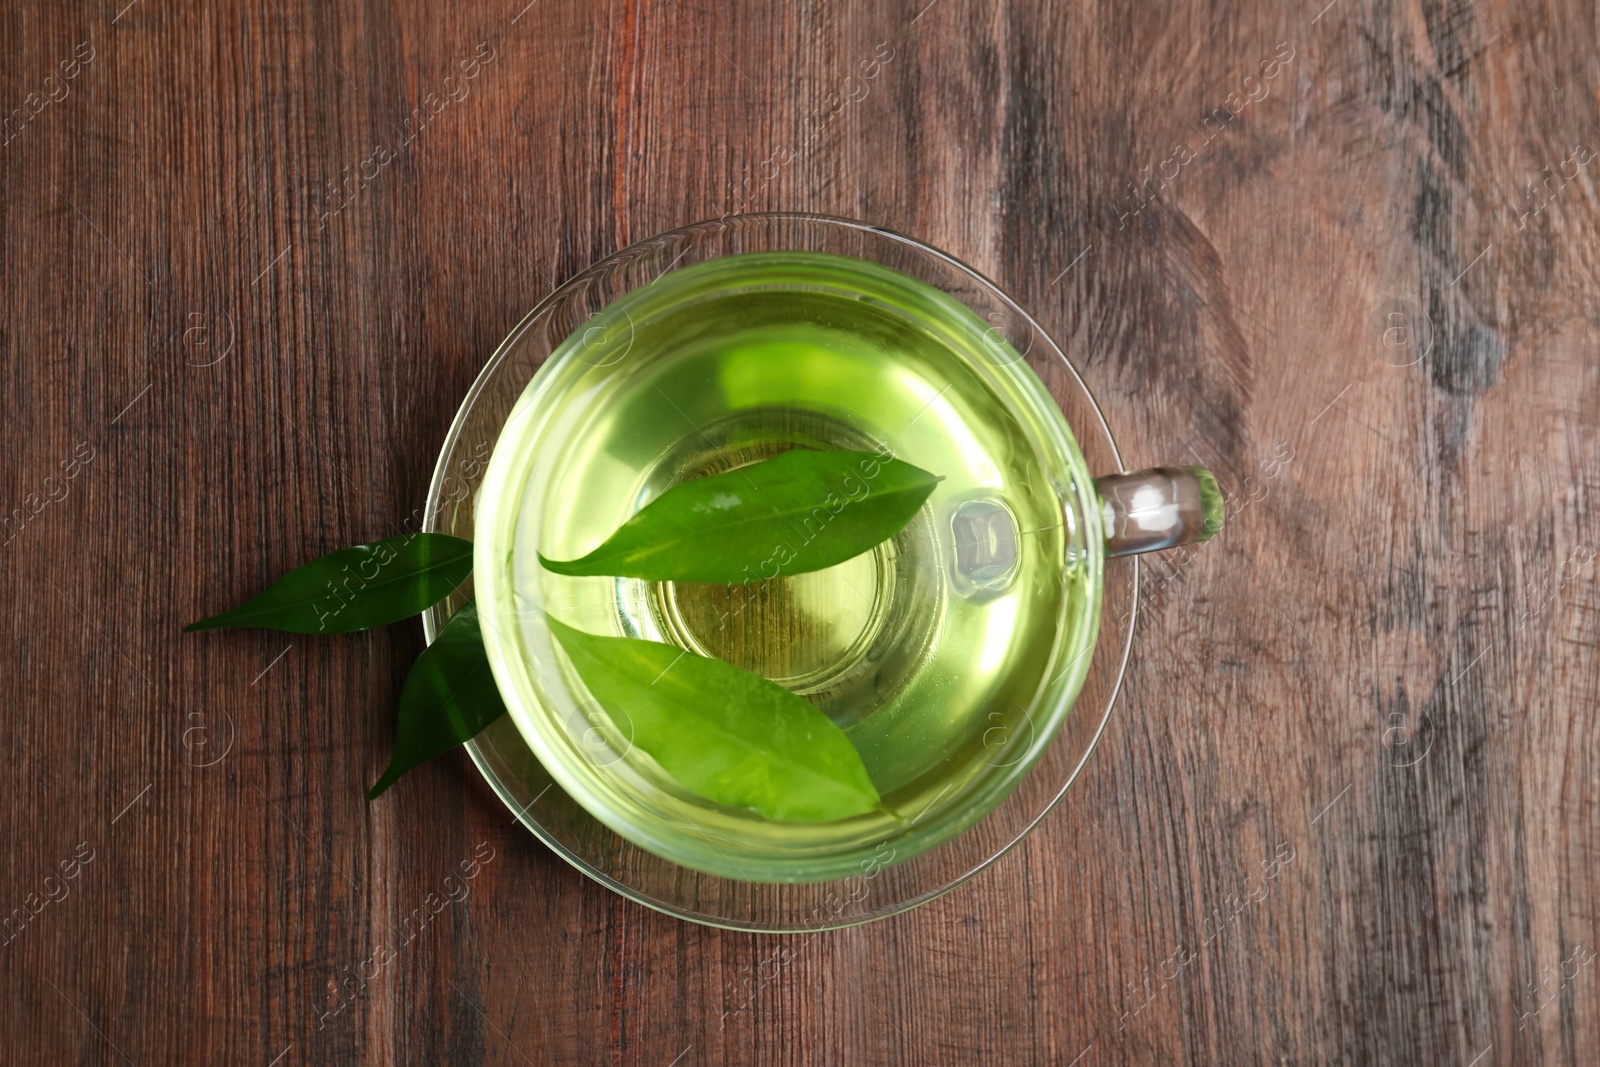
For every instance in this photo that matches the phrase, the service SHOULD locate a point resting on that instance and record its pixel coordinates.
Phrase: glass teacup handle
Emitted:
(1160, 507)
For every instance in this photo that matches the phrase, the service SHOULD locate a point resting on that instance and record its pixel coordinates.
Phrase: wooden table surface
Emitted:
(254, 255)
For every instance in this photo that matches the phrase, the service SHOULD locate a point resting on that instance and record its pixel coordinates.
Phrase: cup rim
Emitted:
(434, 619)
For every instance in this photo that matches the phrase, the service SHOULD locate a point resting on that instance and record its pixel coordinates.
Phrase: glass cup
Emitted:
(955, 664)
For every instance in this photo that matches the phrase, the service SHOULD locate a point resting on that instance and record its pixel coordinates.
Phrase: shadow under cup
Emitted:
(950, 655)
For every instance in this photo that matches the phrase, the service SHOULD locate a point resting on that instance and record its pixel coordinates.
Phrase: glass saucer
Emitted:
(522, 783)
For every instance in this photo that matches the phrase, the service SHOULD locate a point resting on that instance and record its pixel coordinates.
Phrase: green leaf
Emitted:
(356, 588)
(796, 512)
(450, 695)
(723, 732)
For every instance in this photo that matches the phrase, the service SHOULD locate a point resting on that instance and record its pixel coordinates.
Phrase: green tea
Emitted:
(931, 651)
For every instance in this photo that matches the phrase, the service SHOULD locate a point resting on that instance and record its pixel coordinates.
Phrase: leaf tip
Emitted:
(382, 785)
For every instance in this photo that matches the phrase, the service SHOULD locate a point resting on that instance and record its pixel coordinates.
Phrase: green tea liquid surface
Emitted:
(928, 651)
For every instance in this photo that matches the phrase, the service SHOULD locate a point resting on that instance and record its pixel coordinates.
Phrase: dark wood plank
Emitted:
(1385, 667)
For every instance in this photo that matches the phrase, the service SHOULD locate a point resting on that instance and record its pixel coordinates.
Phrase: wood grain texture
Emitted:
(1385, 667)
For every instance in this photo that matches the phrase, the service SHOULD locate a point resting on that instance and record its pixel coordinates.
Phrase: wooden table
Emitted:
(255, 254)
